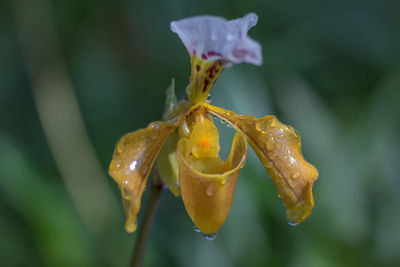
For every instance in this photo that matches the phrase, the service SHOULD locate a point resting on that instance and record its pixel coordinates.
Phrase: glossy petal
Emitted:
(215, 38)
(279, 149)
(208, 184)
(131, 164)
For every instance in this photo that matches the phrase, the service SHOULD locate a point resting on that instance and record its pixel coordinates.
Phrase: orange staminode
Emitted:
(205, 143)
(204, 137)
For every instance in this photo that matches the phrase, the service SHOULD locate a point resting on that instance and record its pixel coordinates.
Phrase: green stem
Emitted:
(147, 220)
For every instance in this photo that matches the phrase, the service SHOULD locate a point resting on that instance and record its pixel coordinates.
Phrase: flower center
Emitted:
(204, 137)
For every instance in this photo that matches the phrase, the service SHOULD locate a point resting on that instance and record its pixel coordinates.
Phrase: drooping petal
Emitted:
(279, 148)
(214, 43)
(208, 184)
(131, 164)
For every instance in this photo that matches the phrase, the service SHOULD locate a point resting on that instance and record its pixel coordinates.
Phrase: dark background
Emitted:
(76, 75)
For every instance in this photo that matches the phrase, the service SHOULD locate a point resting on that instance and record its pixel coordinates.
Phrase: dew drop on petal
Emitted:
(211, 189)
(120, 147)
(131, 227)
(132, 166)
(270, 146)
(260, 127)
(292, 223)
(210, 237)
(272, 123)
(197, 230)
(185, 128)
(295, 175)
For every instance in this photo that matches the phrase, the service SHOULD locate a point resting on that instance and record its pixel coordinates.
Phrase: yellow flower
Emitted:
(186, 143)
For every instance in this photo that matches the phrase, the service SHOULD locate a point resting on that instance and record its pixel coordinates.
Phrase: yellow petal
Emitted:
(167, 164)
(204, 136)
(131, 164)
(279, 148)
(208, 184)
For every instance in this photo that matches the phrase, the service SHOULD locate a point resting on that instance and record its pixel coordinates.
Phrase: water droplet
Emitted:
(185, 128)
(295, 175)
(272, 140)
(155, 125)
(292, 223)
(225, 123)
(197, 230)
(210, 237)
(120, 147)
(229, 37)
(132, 166)
(126, 194)
(211, 189)
(260, 127)
(131, 227)
(114, 165)
(270, 146)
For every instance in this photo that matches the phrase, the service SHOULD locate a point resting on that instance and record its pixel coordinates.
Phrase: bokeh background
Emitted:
(76, 75)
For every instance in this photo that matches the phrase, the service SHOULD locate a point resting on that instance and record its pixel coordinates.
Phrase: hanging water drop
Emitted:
(211, 189)
(131, 227)
(210, 237)
(197, 230)
(209, 98)
(292, 223)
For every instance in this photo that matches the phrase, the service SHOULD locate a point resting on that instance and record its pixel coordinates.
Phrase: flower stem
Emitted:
(147, 220)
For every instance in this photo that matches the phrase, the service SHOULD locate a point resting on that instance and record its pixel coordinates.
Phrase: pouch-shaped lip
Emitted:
(208, 196)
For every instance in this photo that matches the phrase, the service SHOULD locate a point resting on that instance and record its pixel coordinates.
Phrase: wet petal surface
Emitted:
(279, 148)
(131, 164)
(208, 184)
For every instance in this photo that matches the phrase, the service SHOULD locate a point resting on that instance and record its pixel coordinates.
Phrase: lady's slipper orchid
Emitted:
(187, 141)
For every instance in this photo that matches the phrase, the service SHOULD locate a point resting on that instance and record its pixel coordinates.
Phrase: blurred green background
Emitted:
(76, 75)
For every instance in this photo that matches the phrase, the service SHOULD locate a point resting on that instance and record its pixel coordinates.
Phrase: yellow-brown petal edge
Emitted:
(208, 184)
(279, 148)
(131, 164)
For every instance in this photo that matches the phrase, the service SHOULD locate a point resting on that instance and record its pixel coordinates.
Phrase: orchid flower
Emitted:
(186, 143)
